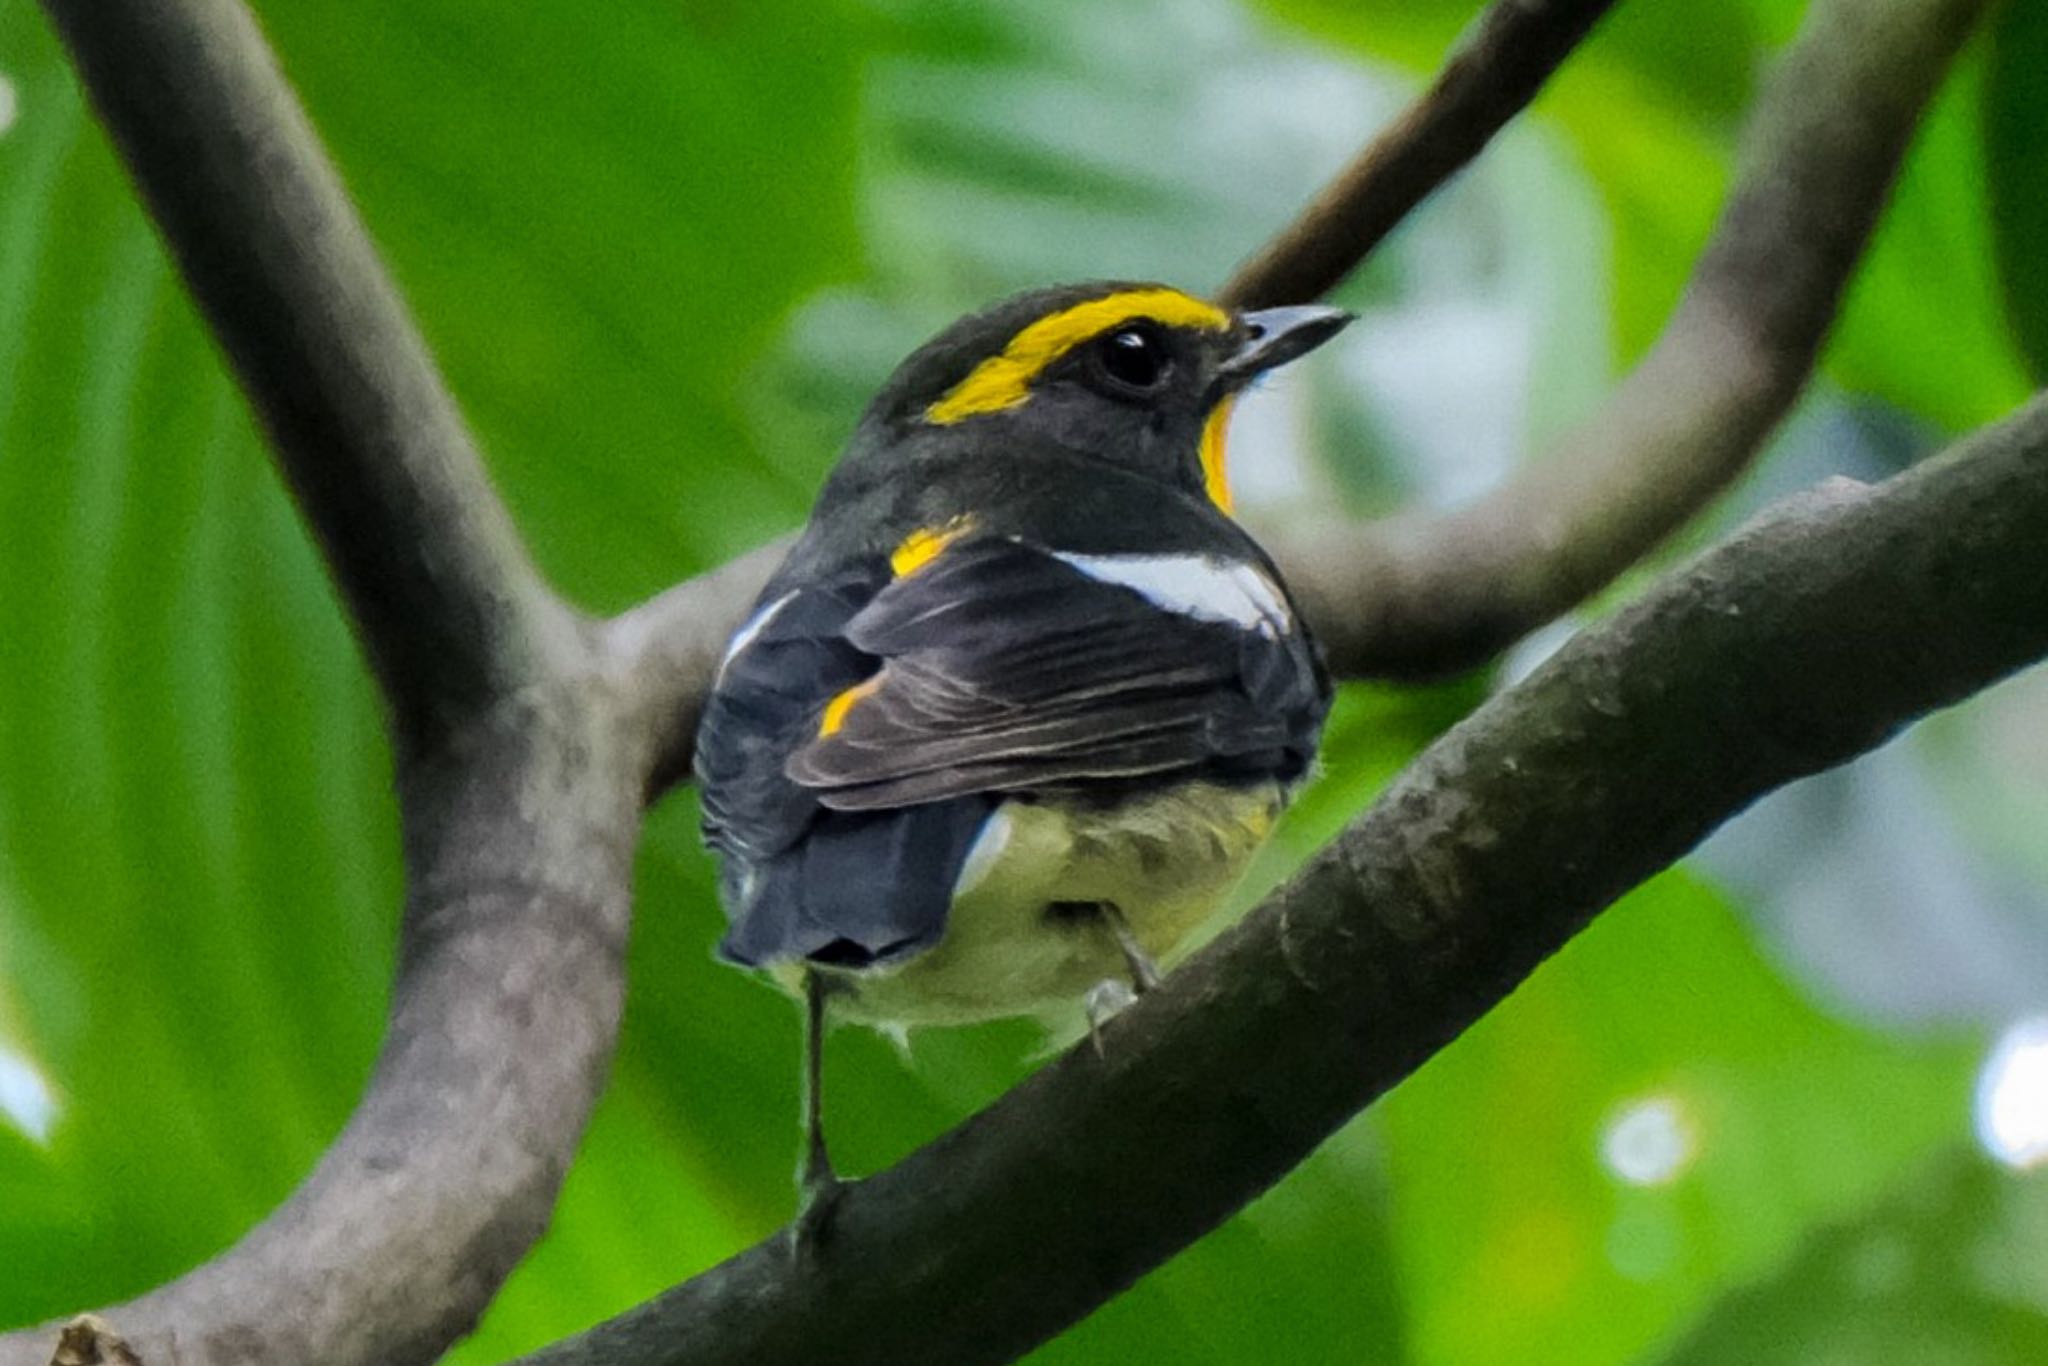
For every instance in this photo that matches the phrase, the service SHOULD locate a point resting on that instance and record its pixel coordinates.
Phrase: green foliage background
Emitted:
(662, 251)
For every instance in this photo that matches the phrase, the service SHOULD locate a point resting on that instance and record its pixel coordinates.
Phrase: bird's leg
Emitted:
(1144, 972)
(818, 1186)
(1109, 996)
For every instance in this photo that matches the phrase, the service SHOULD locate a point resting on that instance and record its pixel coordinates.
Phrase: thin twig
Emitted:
(1491, 77)
(1429, 593)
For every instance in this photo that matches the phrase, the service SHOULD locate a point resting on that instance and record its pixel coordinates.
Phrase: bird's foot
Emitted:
(819, 1191)
(1103, 1000)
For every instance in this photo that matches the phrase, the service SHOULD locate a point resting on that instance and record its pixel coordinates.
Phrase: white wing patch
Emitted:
(1194, 586)
(753, 626)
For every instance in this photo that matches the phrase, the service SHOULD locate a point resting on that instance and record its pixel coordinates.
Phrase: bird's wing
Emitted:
(799, 881)
(781, 667)
(1006, 666)
(862, 730)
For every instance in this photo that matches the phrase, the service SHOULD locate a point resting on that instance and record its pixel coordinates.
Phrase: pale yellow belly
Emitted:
(1166, 862)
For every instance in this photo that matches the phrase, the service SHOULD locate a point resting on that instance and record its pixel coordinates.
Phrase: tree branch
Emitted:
(1807, 638)
(1491, 77)
(518, 787)
(664, 653)
(1430, 593)
(437, 583)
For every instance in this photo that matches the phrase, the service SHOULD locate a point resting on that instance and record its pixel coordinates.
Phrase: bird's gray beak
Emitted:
(1275, 336)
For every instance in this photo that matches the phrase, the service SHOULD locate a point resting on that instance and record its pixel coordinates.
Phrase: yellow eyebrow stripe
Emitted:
(1002, 381)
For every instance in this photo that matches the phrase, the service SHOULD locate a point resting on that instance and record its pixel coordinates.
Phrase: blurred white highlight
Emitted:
(2012, 1096)
(26, 1100)
(1649, 1141)
(10, 104)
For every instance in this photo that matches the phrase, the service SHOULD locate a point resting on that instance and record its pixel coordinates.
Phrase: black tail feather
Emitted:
(861, 888)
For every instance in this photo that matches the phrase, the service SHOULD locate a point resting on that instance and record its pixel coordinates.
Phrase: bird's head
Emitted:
(1140, 375)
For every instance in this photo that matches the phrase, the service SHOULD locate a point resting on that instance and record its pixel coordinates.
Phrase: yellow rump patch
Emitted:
(835, 711)
(1002, 381)
(1214, 477)
(923, 545)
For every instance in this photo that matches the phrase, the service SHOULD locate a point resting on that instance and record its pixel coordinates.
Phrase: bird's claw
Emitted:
(1103, 1000)
(1144, 972)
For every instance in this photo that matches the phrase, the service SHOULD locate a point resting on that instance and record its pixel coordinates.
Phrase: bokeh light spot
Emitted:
(26, 1100)
(1649, 1141)
(2012, 1096)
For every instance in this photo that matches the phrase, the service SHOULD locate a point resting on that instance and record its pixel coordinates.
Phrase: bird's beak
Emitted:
(1275, 336)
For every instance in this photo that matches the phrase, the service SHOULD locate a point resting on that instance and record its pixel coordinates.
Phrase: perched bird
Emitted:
(1023, 699)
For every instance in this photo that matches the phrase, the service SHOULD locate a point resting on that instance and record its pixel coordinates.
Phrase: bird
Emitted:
(1024, 697)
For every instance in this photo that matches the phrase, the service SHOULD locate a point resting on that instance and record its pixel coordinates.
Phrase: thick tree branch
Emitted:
(1807, 638)
(519, 788)
(1434, 592)
(665, 652)
(1491, 77)
(436, 580)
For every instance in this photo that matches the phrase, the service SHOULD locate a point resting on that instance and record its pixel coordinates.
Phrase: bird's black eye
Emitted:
(1135, 358)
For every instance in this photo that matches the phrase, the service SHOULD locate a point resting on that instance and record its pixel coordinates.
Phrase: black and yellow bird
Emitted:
(1023, 699)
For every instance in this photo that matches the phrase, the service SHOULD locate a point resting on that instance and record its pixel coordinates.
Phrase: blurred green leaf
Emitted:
(1905, 1284)
(1652, 1116)
(2015, 130)
(1924, 325)
(601, 226)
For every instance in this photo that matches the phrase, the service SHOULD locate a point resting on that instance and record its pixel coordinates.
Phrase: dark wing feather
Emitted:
(765, 702)
(799, 881)
(1007, 667)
